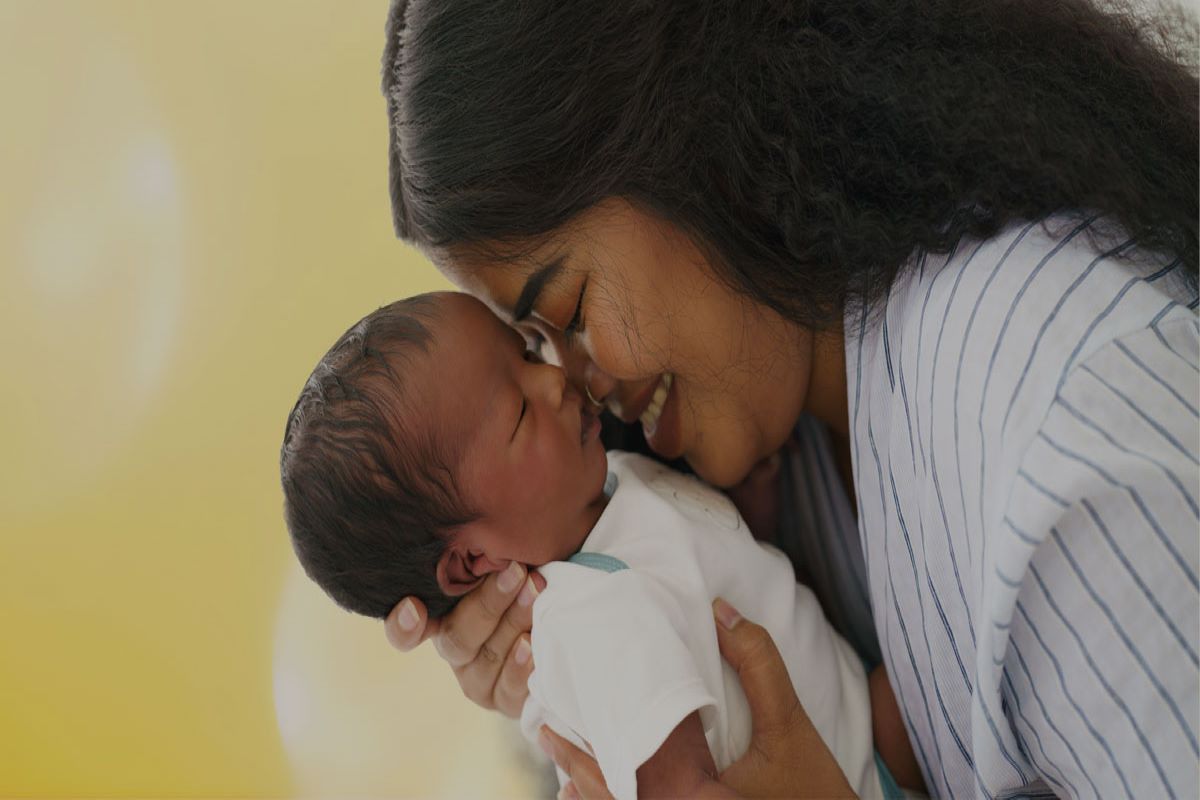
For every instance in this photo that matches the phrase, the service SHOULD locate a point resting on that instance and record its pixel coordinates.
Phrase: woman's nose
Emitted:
(589, 379)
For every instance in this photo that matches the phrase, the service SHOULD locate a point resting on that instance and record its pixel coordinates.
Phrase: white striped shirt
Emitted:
(1024, 431)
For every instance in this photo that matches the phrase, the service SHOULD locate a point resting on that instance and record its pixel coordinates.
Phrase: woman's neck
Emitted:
(826, 398)
(827, 401)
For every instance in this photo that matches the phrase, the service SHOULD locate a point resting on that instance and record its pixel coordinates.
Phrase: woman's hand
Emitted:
(786, 756)
(485, 639)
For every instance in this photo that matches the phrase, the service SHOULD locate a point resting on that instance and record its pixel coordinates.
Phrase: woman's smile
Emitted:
(657, 409)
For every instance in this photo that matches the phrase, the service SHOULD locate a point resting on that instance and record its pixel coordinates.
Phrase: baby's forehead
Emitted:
(463, 308)
(463, 374)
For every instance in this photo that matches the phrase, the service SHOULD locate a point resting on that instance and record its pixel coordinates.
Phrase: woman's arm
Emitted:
(485, 639)
(786, 757)
(1100, 678)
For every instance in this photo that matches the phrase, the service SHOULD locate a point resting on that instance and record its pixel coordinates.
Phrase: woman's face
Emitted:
(635, 313)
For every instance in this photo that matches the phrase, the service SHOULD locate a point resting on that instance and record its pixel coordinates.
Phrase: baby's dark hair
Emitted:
(369, 486)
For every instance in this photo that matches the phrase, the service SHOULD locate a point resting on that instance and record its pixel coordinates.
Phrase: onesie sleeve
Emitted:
(1098, 673)
(612, 667)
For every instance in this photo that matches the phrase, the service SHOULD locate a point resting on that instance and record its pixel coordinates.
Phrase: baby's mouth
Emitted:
(588, 422)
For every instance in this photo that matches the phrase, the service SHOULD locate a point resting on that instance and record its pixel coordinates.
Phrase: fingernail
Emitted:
(523, 651)
(408, 619)
(544, 743)
(528, 593)
(510, 578)
(726, 614)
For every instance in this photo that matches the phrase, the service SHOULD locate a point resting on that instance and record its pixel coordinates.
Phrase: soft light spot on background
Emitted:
(347, 729)
(194, 207)
(102, 253)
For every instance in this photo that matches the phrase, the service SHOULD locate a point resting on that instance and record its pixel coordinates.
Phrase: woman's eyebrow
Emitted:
(533, 288)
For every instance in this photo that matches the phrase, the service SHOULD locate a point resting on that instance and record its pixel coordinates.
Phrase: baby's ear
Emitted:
(460, 570)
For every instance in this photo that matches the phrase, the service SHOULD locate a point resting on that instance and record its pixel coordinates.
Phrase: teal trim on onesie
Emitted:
(598, 561)
(891, 789)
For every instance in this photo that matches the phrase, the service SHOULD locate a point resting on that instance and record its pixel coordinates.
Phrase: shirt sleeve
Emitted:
(1099, 678)
(613, 668)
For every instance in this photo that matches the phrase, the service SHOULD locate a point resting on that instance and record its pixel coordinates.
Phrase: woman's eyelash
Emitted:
(576, 323)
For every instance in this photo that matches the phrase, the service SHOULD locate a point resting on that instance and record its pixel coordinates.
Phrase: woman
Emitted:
(946, 251)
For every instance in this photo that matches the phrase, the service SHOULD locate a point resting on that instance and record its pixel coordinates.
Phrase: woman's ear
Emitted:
(461, 569)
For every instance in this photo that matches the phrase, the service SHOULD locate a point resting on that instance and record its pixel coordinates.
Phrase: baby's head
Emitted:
(429, 449)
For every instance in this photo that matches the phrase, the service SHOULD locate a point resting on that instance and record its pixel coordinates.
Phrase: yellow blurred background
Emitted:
(194, 207)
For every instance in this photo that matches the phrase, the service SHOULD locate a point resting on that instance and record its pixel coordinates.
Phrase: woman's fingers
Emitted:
(484, 639)
(587, 781)
(495, 677)
(751, 651)
(786, 756)
(512, 686)
(476, 617)
(407, 625)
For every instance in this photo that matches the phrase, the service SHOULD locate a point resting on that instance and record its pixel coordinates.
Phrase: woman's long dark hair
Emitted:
(808, 147)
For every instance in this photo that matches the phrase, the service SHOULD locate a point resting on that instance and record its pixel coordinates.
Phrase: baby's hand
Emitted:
(485, 639)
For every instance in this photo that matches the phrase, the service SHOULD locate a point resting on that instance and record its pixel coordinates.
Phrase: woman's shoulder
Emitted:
(1055, 289)
(972, 347)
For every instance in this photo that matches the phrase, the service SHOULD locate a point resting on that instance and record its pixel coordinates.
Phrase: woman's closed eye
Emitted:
(575, 326)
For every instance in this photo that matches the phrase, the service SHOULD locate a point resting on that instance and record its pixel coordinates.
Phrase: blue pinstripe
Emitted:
(1125, 639)
(1099, 737)
(1169, 474)
(1116, 698)
(1149, 420)
(1151, 375)
(1063, 781)
(1050, 719)
(1026, 466)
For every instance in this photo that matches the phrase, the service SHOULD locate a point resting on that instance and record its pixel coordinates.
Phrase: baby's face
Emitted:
(533, 463)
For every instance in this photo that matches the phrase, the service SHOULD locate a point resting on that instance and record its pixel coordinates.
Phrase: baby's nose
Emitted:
(553, 382)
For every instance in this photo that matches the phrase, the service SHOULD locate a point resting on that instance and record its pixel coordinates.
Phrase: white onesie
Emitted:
(623, 656)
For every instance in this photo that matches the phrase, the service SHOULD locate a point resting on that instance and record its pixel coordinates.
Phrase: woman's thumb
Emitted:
(750, 650)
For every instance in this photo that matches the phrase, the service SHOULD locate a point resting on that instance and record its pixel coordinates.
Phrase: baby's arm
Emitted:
(682, 766)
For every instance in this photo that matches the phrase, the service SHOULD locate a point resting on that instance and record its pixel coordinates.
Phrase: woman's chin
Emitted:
(721, 470)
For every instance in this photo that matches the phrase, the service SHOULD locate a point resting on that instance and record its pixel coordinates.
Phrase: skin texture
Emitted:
(651, 304)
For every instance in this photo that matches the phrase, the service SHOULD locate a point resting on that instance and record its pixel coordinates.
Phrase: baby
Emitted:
(429, 449)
